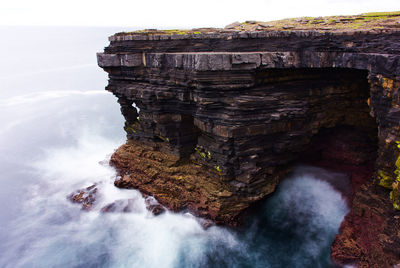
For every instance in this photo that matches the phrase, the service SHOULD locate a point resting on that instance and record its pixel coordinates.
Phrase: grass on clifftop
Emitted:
(375, 20)
(366, 21)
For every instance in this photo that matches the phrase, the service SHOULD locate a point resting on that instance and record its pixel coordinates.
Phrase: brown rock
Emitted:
(208, 196)
(369, 237)
(232, 25)
(86, 197)
(265, 25)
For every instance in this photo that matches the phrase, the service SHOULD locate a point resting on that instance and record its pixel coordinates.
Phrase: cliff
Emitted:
(215, 118)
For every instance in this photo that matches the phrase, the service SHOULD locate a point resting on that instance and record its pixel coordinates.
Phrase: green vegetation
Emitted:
(366, 21)
(164, 138)
(395, 193)
(381, 14)
(201, 153)
(394, 185)
(218, 169)
(167, 32)
(204, 154)
(130, 128)
(376, 20)
(385, 181)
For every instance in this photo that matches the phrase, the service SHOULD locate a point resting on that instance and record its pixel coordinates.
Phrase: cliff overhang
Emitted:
(224, 115)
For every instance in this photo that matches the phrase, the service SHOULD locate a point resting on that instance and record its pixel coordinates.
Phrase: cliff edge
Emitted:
(215, 118)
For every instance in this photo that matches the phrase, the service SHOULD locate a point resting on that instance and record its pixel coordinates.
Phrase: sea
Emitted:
(59, 127)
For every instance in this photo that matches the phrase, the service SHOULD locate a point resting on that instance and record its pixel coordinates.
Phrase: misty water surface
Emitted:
(59, 128)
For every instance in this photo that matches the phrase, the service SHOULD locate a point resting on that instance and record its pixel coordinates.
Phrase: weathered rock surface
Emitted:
(223, 115)
(369, 235)
(180, 185)
(86, 197)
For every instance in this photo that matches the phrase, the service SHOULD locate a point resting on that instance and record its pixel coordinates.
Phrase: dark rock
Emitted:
(223, 116)
(205, 223)
(153, 206)
(86, 197)
(123, 205)
(394, 115)
(347, 19)
(156, 209)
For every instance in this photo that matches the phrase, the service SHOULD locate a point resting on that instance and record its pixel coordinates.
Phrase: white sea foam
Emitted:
(310, 209)
(52, 142)
(53, 232)
(61, 235)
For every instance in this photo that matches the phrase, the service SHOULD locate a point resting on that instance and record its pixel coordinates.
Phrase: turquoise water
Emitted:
(59, 128)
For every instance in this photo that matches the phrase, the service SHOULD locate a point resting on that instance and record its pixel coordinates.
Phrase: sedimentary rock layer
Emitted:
(222, 116)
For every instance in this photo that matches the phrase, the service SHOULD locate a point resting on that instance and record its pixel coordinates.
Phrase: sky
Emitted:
(176, 13)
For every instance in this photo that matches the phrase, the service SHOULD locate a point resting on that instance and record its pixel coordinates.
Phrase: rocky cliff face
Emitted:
(224, 115)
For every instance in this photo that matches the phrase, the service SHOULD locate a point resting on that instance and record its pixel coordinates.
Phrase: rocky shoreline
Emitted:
(224, 114)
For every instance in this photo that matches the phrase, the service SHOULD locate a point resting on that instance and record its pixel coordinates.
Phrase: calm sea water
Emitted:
(58, 125)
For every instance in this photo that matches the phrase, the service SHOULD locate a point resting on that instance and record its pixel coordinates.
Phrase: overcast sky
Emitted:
(175, 13)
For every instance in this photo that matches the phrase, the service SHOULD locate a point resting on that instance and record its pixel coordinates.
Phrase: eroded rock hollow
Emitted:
(215, 120)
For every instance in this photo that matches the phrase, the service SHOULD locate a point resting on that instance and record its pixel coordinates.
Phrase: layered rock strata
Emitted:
(223, 115)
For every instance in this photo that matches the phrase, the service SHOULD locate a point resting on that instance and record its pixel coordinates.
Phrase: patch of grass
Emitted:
(381, 14)
(372, 20)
